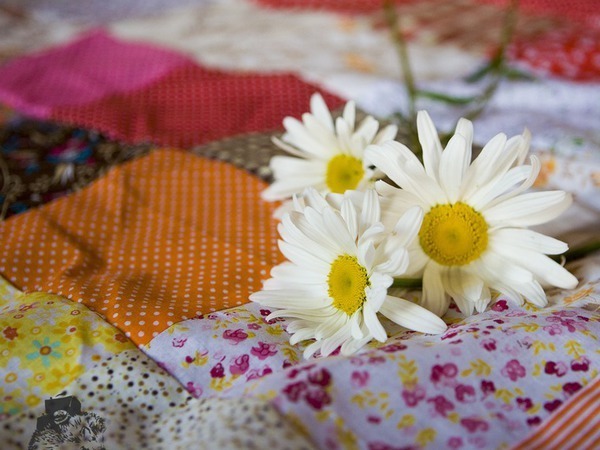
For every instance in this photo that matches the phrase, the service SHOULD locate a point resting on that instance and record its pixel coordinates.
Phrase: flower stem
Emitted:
(580, 252)
(497, 65)
(407, 283)
(391, 17)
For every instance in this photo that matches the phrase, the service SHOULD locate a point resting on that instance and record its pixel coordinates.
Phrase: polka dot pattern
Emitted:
(193, 105)
(162, 239)
(105, 66)
(133, 403)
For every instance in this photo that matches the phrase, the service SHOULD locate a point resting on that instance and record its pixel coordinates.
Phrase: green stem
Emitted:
(413, 283)
(399, 41)
(579, 252)
(497, 64)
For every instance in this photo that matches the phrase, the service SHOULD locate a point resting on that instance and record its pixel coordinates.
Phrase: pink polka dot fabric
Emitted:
(86, 70)
(140, 93)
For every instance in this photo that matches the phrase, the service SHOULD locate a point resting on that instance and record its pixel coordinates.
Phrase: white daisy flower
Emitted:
(327, 157)
(474, 236)
(340, 268)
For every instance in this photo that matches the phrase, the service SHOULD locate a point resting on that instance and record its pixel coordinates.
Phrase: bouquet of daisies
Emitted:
(459, 225)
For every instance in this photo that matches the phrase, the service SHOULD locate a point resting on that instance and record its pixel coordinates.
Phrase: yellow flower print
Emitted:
(61, 377)
(32, 400)
(8, 403)
(45, 350)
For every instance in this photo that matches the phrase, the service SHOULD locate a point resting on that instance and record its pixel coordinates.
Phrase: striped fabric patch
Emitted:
(574, 426)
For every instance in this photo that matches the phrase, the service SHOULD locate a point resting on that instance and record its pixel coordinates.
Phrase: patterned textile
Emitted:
(127, 401)
(45, 161)
(172, 100)
(488, 379)
(148, 245)
(576, 425)
(47, 343)
(135, 141)
(105, 67)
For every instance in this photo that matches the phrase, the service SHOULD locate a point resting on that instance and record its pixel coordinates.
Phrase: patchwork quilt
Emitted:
(136, 140)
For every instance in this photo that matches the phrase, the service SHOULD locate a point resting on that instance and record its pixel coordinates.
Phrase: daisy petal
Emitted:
(534, 293)
(373, 324)
(312, 349)
(282, 189)
(371, 211)
(484, 167)
(320, 110)
(531, 174)
(403, 167)
(352, 346)
(288, 148)
(301, 335)
(355, 325)
(528, 209)
(289, 298)
(335, 226)
(495, 266)
(434, 296)
(308, 240)
(287, 271)
(464, 128)
(430, 143)
(387, 133)
(336, 340)
(298, 136)
(366, 131)
(319, 131)
(344, 135)
(489, 194)
(453, 163)
(348, 212)
(544, 268)
(408, 226)
(412, 316)
(303, 258)
(349, 114)
(453, 278)
(529, 239)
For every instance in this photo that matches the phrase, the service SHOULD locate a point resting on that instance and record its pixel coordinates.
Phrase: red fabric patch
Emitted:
(580, 10)
(193, 105)
(571, 54)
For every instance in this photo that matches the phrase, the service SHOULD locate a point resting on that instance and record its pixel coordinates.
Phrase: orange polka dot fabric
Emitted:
(164, 238)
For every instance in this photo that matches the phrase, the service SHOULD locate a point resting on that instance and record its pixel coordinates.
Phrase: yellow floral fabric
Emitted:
(47, 342)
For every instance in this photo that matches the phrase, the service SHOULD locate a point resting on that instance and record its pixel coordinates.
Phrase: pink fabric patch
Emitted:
(86, 70)
(194, 105)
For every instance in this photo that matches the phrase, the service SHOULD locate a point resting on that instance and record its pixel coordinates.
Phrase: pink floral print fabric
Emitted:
(485, 383)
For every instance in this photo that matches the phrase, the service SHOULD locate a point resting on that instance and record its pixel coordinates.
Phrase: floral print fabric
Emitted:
(45, 161)
(46, 343)
(128, 401)
(485, 383)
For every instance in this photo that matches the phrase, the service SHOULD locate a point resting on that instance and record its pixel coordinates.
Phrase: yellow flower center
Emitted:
(453, 235)
(347, 281)
(344, 172)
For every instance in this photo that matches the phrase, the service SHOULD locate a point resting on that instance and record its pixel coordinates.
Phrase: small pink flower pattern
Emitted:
(514, 370)
(499, 361)
(264, 350)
